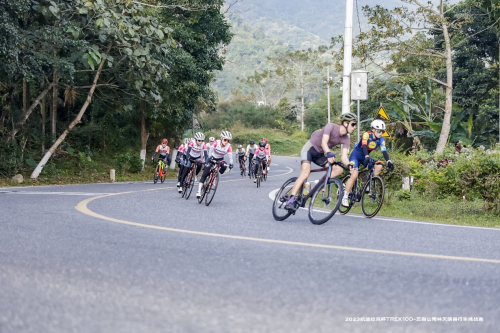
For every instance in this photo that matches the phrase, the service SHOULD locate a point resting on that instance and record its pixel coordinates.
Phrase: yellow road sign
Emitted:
(381, 114)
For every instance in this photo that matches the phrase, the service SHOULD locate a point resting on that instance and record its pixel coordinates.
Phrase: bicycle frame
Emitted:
(320, 183)
(159, 167)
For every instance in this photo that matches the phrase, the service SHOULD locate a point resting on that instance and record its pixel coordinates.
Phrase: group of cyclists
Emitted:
(317, 149)
(195, 150)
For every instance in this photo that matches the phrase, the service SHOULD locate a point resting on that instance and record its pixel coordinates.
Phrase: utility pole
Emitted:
(328, 90)
(346, 101)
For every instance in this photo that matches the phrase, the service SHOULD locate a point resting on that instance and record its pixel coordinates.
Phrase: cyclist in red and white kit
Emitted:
(216, 154)
(164, 151)
(196, 149)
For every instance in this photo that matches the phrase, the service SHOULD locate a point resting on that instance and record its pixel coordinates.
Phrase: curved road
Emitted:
(135, 257)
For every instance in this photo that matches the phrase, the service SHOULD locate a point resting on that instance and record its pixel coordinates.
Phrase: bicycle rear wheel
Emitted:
(212, 188)
(324, 205)
(280, 213)
(344, 210)
(372, 202)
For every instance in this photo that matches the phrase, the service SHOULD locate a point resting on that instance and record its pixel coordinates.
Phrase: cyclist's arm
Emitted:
(205, 154)
(345, 156)
(324, 143)
(229, 152)
(188, 152)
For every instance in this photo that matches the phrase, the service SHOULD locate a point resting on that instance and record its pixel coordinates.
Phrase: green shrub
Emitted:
(121, 160)
(135, 164)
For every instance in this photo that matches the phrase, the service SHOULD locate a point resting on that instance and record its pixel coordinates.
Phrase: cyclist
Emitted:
(361, 155)
(194, 152)
(210, 142)
(241, 155)
(164, 151)
(251, 148)
(317, 150)
(216, 154)
(268, 148)
(261, 155)
(181, 156)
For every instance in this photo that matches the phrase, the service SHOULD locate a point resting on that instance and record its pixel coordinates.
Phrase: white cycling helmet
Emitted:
(211, 139)
(226, 135)
(240, 146)
(187, 141)
(199, 136)
(378, 124)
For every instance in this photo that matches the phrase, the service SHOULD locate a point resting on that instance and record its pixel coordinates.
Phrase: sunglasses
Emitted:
(353, 124)
(199, 140)
(225, 140)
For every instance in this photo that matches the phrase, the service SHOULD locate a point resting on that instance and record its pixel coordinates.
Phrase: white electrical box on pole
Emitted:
(359, 89)
(346, 102)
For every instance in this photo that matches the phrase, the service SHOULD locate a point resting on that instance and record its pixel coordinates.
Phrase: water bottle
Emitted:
(307, 188)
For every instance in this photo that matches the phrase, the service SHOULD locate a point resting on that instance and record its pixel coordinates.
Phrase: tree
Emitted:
(127, 32)
(300, 71)
(433, 37)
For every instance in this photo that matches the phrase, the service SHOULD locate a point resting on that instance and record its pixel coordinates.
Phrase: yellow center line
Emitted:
(82, 207)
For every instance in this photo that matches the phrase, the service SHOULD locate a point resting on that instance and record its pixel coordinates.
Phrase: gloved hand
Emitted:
(367, 159)
(230, 166)
(330, 154)
(390, 165)
(152, 158)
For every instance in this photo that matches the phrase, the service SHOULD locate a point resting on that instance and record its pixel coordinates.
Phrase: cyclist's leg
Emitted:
(336, 171)
(223, 167)
(377, 169)
(198, 168)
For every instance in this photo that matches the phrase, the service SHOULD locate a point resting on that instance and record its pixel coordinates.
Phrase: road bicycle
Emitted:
(251, 171)
(260, 173)
(324, 198)
(210, 185)
(370, 190)
(160, 172)
(243, 168)
(188, 184)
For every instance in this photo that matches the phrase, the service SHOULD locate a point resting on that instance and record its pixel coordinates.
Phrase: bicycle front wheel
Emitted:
(190, 185)
(373, 196)
(212, 188)
(324, 204)
(280, 213)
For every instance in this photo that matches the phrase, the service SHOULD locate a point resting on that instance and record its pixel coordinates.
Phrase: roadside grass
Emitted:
(442, 210)
(68, 169)
(282, 143)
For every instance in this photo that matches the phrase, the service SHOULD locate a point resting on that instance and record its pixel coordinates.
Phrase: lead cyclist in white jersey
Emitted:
(216, 154)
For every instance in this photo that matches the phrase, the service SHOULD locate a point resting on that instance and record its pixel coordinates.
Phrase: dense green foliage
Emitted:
(149, 64)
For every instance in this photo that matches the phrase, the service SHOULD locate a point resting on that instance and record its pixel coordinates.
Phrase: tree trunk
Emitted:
(445, 129)
(53, 114)
(42, 111)
(499, 92)
(25, 95)
(77, 120)
(144, 134)
(28, 112)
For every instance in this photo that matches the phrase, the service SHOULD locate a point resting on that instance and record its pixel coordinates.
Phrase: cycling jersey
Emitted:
(195, 150)
(163, 150)
(370, 142)
(218, 151)
(367, 144)
(240, 152)
(262, 154)
(251, 150)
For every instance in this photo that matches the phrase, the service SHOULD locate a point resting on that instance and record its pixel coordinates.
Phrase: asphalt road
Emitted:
(136, 257)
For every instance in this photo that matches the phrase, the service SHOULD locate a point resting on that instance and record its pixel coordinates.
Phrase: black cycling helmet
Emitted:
(262, 143)
(348, 117)
(252, 142)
